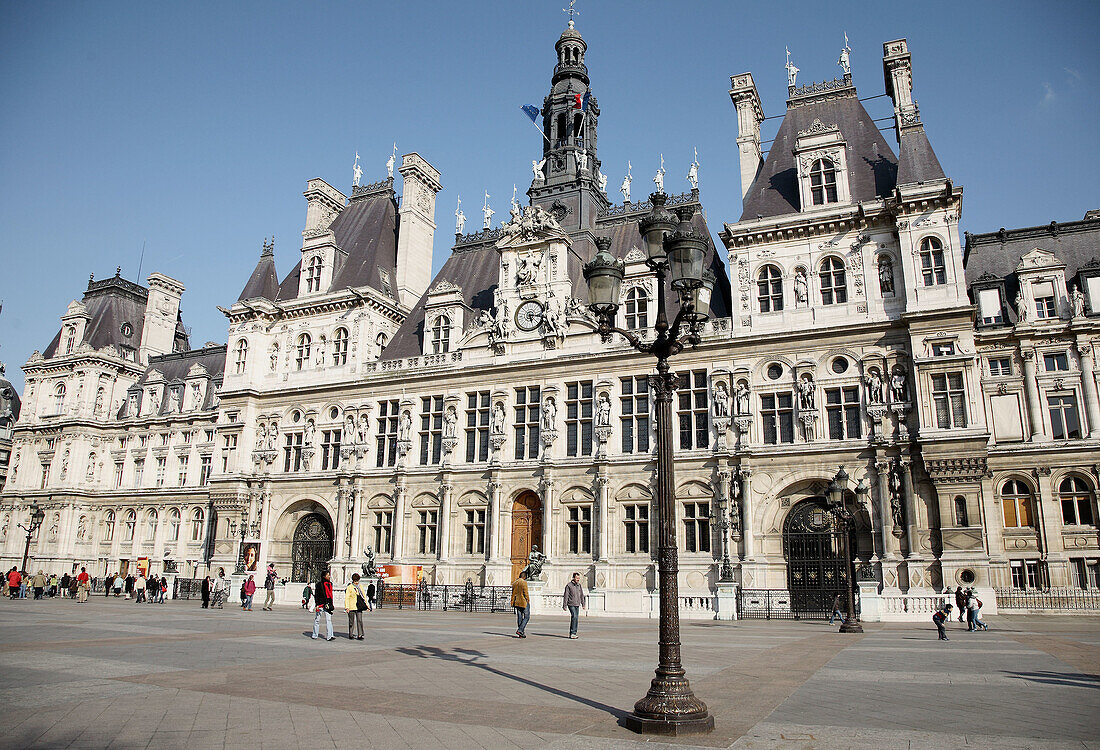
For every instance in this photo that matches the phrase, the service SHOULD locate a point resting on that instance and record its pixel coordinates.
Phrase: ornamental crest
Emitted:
(535, 223)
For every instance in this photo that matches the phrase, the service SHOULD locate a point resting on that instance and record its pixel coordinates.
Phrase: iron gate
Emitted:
(312, 548)
(817, 569)
(187, 588)
(456, 598)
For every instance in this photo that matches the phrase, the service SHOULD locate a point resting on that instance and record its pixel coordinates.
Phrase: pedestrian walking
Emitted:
(139, 589)
(74, 588)
(163, 589)
(131, 583)
(205, 591)
(371, 592)
(39, 584)
(354, 604)
(836, 614)
(83, 586)
(521, 601)
(942, 615)
(322, 599)
(64, 582)
(119, 583)
(269, 587)
(152, 589)
(248, 590)
(221, 590)
(108, 584)
(573, 600)
(24, 584)
(960, 602)
(52, 586)
(973, 612)
(307, 594)
(14, 582)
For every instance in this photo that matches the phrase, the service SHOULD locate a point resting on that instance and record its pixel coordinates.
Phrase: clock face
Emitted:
(529, 315)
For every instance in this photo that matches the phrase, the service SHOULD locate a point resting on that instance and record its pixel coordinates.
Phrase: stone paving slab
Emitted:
(112, 674)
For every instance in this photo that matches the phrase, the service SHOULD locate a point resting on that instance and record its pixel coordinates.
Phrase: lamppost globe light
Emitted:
(604, 276)
(842, 478)
(686, 252)
(654, 227)
(699, 298)
(834, 493)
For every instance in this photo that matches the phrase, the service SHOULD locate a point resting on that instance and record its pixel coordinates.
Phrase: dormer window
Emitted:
(70, 339)
(1045, 302)
(990, 307)
(441, 335)
(59, 398)
(823, 182)
(380, 342)
(313, 274)
(932, 263)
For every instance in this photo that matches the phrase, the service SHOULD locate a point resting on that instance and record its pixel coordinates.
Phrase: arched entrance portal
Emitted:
(816, 569)
(526, 529)
(312, 548)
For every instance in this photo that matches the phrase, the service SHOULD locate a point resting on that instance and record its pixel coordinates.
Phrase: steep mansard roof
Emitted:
(872, 166)
(476, 271)
(366, 230)
(1074, 243)
(264, 281)
(111, 303)
(175, 367)
(918, 162)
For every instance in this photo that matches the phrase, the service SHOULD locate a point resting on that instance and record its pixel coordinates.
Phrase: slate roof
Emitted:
(366, 230)
(110, 303)
(174, 367)
(918, 162)
(264, 281)
(1074, 243)
(872, 166)
(477, 270)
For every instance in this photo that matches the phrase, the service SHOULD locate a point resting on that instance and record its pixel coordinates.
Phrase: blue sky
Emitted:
(193, 127)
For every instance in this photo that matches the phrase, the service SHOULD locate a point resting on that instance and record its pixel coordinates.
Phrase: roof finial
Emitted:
(792, 71)
(356, 172)
(845, 61)
(390, 161)
(571, 11)
(118, 271)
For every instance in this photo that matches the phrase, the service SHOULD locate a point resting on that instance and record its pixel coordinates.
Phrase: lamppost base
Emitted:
(671, 709)
(668, 727)
(851, 626)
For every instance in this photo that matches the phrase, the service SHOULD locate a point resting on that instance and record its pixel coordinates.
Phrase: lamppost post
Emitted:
(673, 248)
(837, 497)
(37, 517)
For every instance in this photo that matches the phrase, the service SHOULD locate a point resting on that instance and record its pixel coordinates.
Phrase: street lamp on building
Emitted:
(37, 517)
(675, 250)
(837, 496)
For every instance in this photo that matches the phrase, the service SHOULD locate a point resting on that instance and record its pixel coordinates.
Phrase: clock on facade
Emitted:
(529, 315)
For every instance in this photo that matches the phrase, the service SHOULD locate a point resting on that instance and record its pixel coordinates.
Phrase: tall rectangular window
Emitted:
(118, 474)
(777, 417)
(697, 527)
(475, 531)
(182, 478)
(383, 531)
(527, 422)
(426, 525)
(989, 306)
(292, 451)
(139, 471)
(1045, 302)
(579, 524)
(842, 408)
(204, 470)
(330, 449)
(431, 429)
(578, 418)
(1064, 422)
(229, 454)
(162, 470)
(477, 426)
(634, 411)
(389, 412)
(636, 525)
(694, 411)
(949, 399)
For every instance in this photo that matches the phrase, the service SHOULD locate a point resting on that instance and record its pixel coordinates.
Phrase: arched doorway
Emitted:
(816, 569)
(526, 529)
(312, 548)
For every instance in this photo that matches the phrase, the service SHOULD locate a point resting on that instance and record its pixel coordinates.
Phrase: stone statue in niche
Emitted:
(721, 399)
(310, 433)
(450, 422)
(273, 436)
(806, 393)
(742, 394)
(348, 437)
(364, 429)
(98, 408)
(549, 414)
(603, 411)
(82, 529)
(1021, 307)
(1077, 302)
(800, 287)
(274, 357)
(528, 269)
(404, 429)
(497, 425)
(897, 386)
(261, 436)
(885, 276)
(874, 386)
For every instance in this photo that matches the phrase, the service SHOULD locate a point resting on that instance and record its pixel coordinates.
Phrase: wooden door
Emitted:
(526, 529)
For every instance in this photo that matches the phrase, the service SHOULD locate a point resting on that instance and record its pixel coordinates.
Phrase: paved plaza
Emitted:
(121, 675)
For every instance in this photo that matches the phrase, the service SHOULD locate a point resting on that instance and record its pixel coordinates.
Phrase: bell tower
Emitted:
(568, 182)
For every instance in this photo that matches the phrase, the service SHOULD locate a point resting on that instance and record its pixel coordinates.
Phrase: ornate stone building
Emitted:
(361, 407)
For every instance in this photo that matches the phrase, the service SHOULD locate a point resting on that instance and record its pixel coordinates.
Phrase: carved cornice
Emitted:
(972, 469)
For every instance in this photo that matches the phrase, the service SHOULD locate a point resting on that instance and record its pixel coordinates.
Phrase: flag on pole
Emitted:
(533, 113)
(581, 102)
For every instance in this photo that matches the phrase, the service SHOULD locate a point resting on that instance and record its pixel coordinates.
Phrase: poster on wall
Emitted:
(401, 573)
(251, 555)
(143, 565)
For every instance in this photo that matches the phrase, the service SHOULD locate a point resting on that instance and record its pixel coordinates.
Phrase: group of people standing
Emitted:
(77, 586)
(356, 602)
(152, 589)
(970, 610)
(215, 591)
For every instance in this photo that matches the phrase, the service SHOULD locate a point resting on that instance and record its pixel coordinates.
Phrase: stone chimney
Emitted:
(897, 70)
(749, 116)
(158, 333)
(416, 227)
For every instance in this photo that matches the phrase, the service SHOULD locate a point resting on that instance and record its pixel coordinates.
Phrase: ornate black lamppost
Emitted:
(836, 494)
(672, 248)
(37, 517)
(240, 569)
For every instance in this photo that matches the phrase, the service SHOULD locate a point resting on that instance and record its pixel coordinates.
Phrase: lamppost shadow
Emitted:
(470, 657)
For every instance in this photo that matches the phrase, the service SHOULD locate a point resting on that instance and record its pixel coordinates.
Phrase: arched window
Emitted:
(932, 265)
(823, 182)
(561, 126)
(131, 525)
(1076, 502)
(173, 525)
(380, 342)
(198, 522)
(834, 290)
(59, 398)
(441, 335)
(150, 531)
(70, 339)
(313, 274)
(109, 526)
(769, 286)
(305, 343)
(1016, 504)
(637, 308)
(340, 347)
(961, 516)
(241, 357)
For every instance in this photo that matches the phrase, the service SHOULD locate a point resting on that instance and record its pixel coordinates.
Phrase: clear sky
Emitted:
(192, 127)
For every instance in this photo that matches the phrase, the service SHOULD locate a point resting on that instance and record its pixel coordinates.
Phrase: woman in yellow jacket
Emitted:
(352, 595)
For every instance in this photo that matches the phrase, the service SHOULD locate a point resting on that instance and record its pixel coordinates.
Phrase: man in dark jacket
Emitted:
(960, 602)
(573, 600)
(269, 587)
(943, 614)
(322, 598)
(205, 591)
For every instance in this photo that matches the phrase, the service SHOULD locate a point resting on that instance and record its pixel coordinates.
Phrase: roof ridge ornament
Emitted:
(571, 11)
(845, 61)
(792, 71)
(817, 126)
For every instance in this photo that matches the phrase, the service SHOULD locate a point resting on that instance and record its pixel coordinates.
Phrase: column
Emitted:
(356, 522)
(495, 532)
(603, 494)
(1034, 405)
(748, 532)
(882, 491)
(446, 489)
(398, 520)
(546, 485)
(906, 467)
(1088, 386)
(341, 519)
